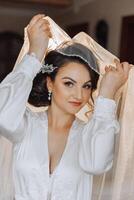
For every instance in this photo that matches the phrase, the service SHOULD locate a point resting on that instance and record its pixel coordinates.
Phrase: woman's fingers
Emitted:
(39, 25)
(114, 78)
(46, 30)
(42, 22)
(35, 19)
(126, 67)
(44, 26)
(110, 68)
(119, 66)
(106, 68)
(123, 67)
(48, 33)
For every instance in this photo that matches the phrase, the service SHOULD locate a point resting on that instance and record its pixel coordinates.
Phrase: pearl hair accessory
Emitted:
(46, 68)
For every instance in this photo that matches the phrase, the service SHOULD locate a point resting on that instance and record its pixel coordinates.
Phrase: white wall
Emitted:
(110, 10)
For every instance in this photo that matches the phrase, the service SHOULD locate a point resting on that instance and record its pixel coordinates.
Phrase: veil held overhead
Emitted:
(60, 41)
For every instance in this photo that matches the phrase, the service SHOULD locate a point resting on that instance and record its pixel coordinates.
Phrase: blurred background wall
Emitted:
(110, 10)
(14, 16)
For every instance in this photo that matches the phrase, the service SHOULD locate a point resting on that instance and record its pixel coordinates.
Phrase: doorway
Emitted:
(127, 40)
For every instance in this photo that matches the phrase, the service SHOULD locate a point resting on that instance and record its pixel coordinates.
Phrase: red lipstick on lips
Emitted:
(74, 103)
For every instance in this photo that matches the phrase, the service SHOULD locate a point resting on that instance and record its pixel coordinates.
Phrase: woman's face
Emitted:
(71, 88)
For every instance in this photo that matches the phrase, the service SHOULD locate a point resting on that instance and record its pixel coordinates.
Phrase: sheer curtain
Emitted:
(118, 183)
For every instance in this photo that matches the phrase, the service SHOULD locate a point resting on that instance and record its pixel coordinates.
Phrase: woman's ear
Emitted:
(49, 84)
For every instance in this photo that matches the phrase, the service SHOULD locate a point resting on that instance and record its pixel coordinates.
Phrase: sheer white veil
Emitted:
(119, 182)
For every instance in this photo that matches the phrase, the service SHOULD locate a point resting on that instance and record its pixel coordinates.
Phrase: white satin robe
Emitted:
(89, 149)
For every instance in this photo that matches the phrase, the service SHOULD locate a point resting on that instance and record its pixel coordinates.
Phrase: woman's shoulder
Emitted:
(34, 113)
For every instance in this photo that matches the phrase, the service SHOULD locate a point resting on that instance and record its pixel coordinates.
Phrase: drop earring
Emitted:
(49, 95)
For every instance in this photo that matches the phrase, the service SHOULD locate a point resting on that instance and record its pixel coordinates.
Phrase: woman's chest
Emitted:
(32, 155)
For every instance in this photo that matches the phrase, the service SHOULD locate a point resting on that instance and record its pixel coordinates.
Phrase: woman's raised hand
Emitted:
(38, 34)
(114, 78)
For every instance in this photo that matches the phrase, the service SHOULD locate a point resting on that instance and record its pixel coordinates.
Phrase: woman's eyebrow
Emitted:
(74, 80)
(70, 79)
(88, 82)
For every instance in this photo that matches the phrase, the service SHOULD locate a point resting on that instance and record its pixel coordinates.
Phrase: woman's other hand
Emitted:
(38, 34)
(114, 78)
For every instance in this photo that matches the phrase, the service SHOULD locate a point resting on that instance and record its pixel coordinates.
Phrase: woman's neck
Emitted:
(57, 118)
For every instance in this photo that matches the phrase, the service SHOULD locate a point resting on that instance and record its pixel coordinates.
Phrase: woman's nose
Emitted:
(78, 93)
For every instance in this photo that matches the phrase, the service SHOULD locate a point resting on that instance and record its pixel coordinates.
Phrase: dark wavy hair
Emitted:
(39, 93)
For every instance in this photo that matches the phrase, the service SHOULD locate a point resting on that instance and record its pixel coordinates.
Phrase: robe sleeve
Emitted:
(98, 136)
(14, 93)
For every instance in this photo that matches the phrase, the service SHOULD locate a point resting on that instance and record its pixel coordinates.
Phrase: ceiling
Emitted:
(50, 7)
(63, 3)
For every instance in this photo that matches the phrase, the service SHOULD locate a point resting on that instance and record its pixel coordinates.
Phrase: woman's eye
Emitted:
(89, 86)
(68, 84)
